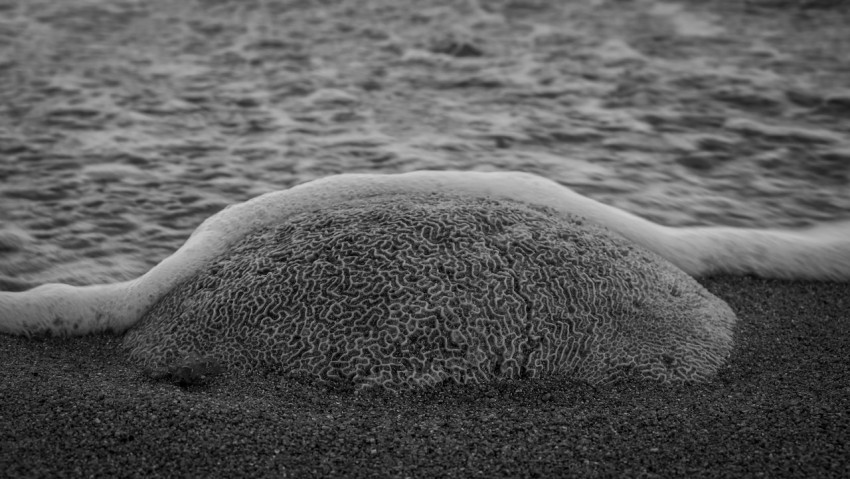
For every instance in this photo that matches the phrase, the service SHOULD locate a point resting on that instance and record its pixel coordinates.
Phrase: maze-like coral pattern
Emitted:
(408, 291)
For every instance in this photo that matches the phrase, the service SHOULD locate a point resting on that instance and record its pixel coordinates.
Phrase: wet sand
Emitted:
(74, 408)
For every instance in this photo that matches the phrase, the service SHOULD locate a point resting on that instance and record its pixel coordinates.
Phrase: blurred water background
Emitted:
(124, 123)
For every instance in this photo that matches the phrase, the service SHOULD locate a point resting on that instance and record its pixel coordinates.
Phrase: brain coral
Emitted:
(408, 291)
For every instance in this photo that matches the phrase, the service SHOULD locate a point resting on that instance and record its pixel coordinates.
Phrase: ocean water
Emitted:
(126, 123)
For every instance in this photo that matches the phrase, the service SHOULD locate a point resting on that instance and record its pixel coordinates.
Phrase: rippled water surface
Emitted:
(125, 123)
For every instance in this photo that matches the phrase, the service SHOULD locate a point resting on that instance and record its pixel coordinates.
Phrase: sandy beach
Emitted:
(75, 408)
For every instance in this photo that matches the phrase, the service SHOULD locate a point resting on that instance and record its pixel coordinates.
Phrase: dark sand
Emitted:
(782, 407)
